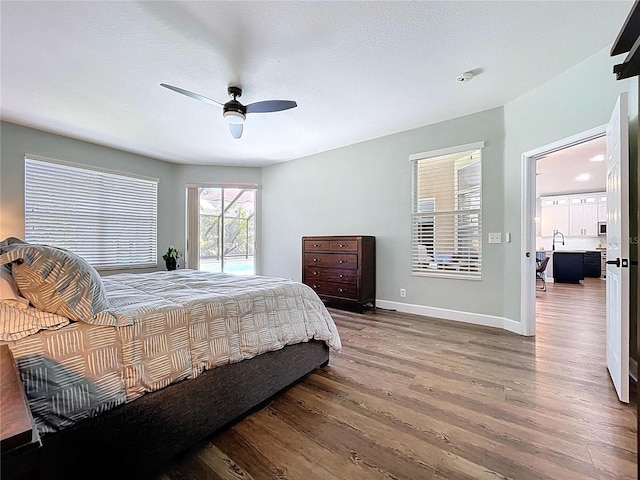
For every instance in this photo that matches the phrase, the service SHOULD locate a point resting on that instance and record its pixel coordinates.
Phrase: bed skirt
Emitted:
(140, 437)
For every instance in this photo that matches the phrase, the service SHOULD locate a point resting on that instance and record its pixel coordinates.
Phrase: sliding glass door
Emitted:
(227, 229)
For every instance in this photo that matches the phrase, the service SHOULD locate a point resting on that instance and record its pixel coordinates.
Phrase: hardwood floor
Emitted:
(416, 398)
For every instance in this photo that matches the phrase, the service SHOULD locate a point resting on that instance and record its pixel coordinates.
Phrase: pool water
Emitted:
(235, 267)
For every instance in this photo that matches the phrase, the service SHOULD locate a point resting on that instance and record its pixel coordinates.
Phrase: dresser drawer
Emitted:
(341, 260)
(314, 245)
(339, 290)
(313, 274)
(344, 245)
(341, 269)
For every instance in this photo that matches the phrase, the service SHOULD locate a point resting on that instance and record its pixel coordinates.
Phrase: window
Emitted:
(222, 224)
(446, 216)
(109, 219)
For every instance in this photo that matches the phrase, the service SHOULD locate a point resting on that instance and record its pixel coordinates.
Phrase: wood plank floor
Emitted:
(416, 398)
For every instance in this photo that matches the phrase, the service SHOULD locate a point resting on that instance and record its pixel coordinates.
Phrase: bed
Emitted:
(177, 356)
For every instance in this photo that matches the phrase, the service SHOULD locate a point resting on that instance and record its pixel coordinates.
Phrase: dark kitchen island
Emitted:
(568, 266)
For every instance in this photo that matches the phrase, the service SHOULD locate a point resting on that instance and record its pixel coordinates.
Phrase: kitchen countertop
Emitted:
(551, 252)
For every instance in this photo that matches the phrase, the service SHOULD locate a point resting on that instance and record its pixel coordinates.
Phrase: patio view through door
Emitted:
(227, 229)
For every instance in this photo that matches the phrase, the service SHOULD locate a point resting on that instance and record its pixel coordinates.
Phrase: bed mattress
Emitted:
(173, 326)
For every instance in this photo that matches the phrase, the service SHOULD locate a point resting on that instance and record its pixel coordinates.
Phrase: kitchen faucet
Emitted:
(553, 242)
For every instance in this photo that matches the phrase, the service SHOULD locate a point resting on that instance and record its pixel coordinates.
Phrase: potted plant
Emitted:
(171, 257)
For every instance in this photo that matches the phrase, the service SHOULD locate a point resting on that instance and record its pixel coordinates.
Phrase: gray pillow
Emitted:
(5, 243)
(56, 281)
(12, 241)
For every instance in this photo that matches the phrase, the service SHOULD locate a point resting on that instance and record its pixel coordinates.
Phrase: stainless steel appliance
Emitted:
(602, 228)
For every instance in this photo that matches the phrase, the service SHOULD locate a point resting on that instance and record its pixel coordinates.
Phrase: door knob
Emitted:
(615, 262)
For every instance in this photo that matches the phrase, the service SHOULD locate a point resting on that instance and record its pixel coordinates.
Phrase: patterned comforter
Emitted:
(175, 325)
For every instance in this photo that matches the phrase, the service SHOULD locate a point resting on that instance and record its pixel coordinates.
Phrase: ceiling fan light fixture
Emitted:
(234, 117)
(235, 112)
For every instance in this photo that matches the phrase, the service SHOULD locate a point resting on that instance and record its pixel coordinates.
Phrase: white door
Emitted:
(618, 248)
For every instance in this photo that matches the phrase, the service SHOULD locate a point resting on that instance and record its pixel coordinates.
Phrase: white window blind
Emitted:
(446, 217)
(108, 219)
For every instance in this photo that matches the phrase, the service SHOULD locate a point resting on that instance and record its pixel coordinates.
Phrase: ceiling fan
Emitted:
(233, 111)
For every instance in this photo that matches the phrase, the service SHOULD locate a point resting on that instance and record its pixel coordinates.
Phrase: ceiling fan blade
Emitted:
(192, 95)
(270, 106)
(236, 129)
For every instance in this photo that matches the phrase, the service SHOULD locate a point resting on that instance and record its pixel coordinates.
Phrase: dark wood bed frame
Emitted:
(138, 438)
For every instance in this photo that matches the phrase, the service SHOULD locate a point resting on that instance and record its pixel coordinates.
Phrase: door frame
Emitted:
(528, 213)
(192, 208)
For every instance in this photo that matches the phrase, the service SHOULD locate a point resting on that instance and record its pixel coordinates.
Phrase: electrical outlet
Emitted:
(403, 293)
(495, 237)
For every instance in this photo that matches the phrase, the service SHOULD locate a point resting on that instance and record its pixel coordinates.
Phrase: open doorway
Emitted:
(540, 240)
(617, 284)
(221, 228)
(571, 214)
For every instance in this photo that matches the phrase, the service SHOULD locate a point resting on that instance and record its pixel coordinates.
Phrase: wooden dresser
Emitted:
(342, 270)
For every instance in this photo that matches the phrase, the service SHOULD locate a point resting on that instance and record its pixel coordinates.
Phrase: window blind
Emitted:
(108, 219)
(446, 217)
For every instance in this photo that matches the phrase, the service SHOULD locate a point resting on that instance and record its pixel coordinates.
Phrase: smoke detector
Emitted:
(465, 77)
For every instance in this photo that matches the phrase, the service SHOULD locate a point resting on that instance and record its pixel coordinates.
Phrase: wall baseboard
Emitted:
(513, 326)
(455, 315)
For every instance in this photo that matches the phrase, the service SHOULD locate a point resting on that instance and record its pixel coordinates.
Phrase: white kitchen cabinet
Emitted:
(602, 207)
(573, 215)
(583, 215)
(554, 215)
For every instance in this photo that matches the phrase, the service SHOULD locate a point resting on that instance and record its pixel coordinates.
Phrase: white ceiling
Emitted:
(358, 70)
(557, 172)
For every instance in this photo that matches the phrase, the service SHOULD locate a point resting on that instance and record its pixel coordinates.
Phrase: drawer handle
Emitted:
(315, 286)
(342, 245)
(315, 273)
(341, 276)
(342, 261)
(316, 259)
(316, 244)
(342, 289)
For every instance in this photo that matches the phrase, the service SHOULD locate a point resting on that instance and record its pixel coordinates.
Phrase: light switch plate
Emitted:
(495, 237)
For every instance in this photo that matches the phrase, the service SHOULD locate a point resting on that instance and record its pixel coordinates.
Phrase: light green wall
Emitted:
(17, 140)
(579, 99)
(193, 174)
(366, 189)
